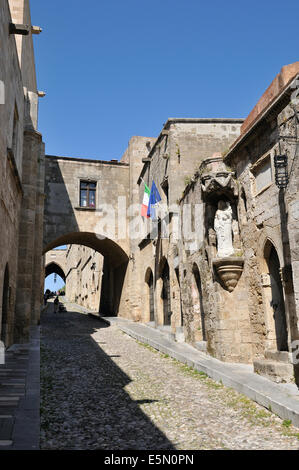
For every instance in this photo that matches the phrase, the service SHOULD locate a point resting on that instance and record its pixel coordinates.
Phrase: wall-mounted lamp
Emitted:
(23, 29)
(281, 171)
(36, 29)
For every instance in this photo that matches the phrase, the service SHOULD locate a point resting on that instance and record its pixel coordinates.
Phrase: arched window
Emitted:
(277, 297)
(166, 294)
(197, 278)
(150, 284)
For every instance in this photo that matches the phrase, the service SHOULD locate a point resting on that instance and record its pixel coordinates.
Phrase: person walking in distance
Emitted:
(56, 304)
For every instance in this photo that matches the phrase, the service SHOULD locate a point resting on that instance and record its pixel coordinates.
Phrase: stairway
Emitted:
(12, 389)
(276, 366)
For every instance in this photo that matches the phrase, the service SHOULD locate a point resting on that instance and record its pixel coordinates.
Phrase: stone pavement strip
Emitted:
(282, 399)
(102, 389)
(19, 396)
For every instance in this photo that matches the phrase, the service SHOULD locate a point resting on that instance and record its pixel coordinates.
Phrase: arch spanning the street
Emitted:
(114, 269)
(70, 220)
(108, 248)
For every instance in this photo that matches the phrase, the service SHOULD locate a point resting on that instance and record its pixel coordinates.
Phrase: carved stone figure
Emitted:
(223, 228)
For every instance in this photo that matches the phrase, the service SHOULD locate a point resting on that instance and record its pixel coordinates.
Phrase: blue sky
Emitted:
(52, 285)
(113, 68)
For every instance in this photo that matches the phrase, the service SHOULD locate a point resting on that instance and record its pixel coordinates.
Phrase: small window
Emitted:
(262, 172)
(87, 194)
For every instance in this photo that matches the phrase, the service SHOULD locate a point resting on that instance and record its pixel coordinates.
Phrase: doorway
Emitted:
(166, 294)
(277, 301)
(199, 300)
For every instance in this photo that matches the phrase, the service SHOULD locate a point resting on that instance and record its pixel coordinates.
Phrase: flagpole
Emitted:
(143, 181)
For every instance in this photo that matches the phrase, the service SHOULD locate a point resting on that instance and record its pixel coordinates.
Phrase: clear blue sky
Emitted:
(51, 285)
(117, 68)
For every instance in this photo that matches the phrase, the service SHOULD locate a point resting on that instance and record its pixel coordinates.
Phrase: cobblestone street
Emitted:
(101, 389)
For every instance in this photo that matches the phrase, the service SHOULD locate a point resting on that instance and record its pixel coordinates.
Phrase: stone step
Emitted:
(12, 383)
(165, 330)
(279, 372)
(4, 443)
(179, 334)
(7, 399)
(7, 410)
(11, 392)
(18, 347)
(12, 372)
(278, 356)
(201, 346)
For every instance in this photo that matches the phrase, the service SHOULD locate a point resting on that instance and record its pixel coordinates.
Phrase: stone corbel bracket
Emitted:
(212, 182)
(229, 271)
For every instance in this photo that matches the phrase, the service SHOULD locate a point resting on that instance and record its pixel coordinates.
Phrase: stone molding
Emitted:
(229, 271)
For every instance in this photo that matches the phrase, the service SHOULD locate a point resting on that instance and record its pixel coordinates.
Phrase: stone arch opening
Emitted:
(5, 305)
(107, 247)
(149, 295)
(198, 307)
(178, 293)
(54, 268)
(276, 324)
(165, 299)
(114, 266)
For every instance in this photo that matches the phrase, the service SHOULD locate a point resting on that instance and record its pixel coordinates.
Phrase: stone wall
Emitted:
(269, 223)
(215, 308)
(84, 270)
(21, 151)
(63, 214)
(174, 273)
(176, 154)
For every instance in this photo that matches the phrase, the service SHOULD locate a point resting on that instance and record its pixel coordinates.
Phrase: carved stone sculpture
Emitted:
(223, 228)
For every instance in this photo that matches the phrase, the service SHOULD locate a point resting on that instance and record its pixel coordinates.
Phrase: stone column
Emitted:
(31, 155)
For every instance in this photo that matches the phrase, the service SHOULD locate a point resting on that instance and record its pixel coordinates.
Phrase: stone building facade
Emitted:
(177, 153)
(217, 268)
(242, 306)
(21, 175)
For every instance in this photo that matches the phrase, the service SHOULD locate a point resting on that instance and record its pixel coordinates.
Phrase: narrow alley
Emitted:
(101, 389)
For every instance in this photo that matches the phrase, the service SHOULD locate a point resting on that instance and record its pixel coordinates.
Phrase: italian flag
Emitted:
(145, 201)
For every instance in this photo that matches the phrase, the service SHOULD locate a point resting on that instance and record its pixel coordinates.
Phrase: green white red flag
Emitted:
(145, 201)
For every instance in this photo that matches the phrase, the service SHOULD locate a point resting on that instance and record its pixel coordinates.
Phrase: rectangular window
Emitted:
(263, 174)
(87, 194)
